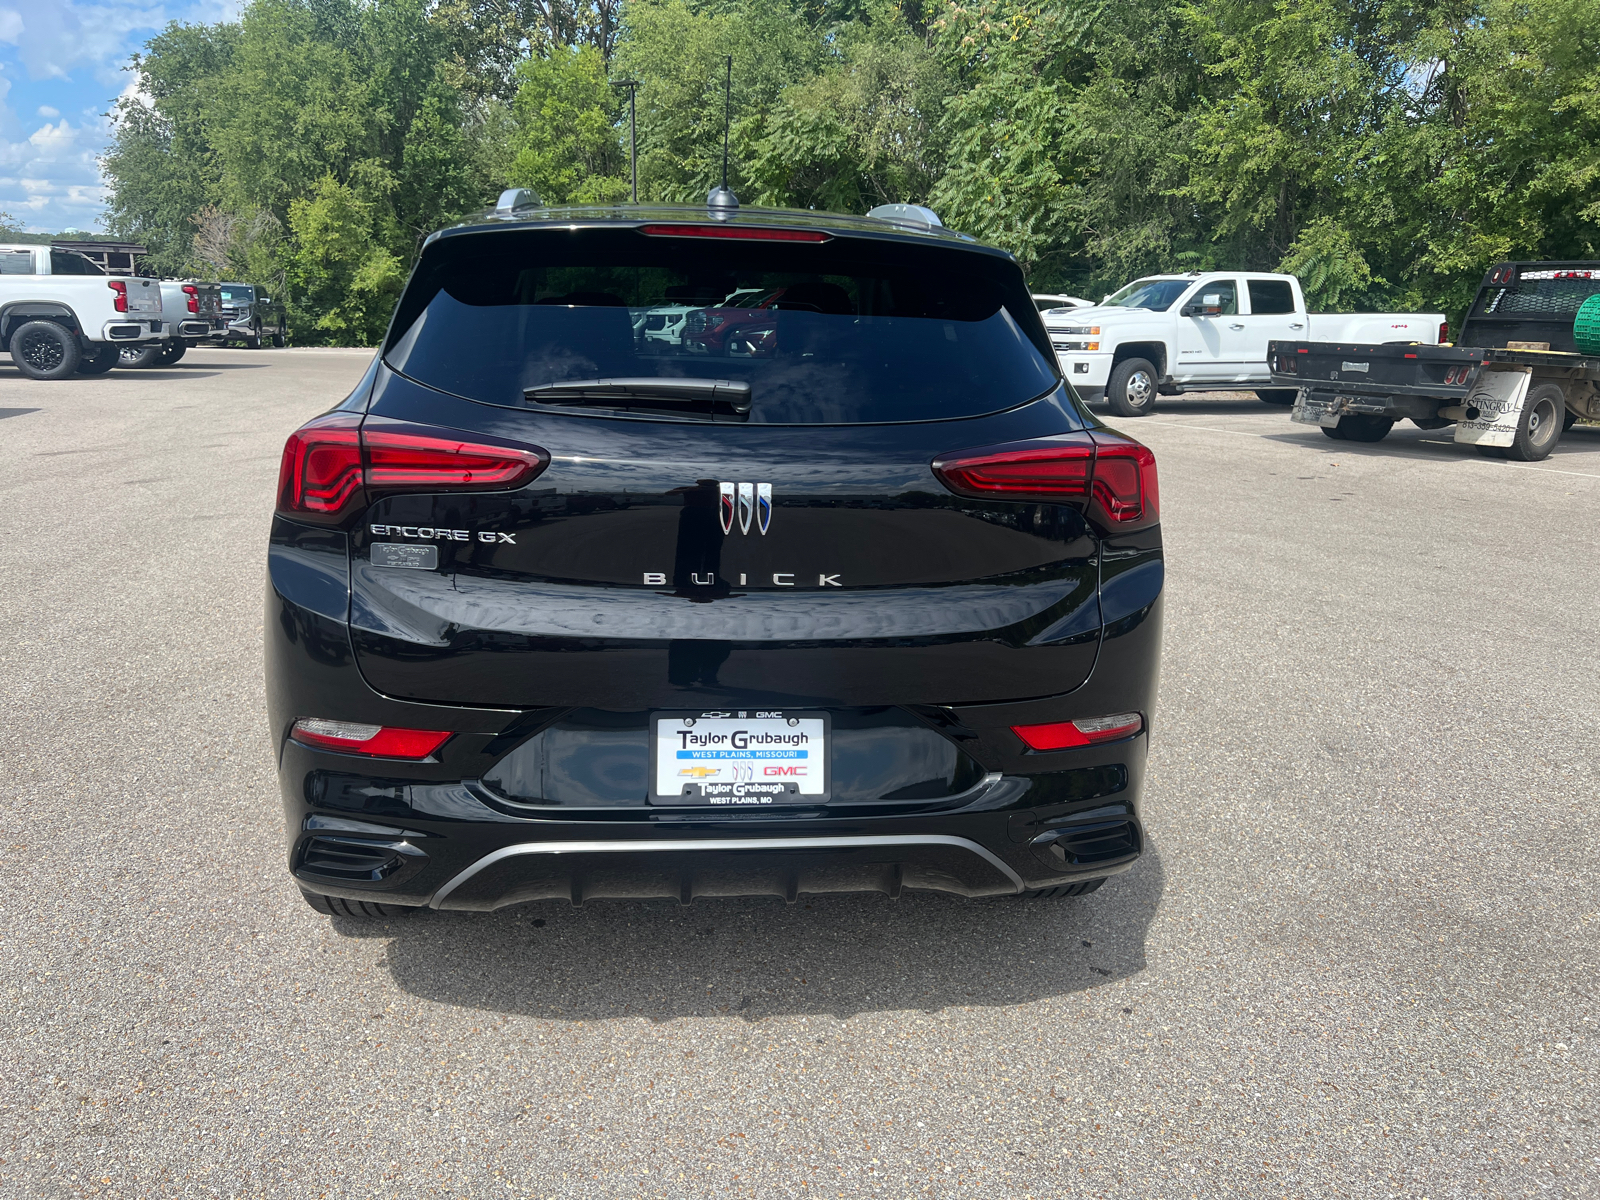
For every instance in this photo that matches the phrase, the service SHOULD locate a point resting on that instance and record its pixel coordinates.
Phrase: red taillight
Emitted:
(736, 232)
(120, 300)
(1086, 731)
(332, 465)
(429, 462)
(193, 293)
(1055, 469)
(1444, 332)
(378, 741)
(320, 475)
(1115, 474)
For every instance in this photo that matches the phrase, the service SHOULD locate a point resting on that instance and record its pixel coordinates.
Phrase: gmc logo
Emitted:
(770, 771)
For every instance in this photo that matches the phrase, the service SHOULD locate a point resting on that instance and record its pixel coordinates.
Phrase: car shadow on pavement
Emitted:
(1434, 445)
(1204, 403)
(755, 958)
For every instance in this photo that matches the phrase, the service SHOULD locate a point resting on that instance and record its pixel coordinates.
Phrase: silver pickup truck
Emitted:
(61, 314)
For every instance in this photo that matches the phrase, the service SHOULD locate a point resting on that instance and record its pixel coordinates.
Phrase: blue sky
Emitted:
(61, 71)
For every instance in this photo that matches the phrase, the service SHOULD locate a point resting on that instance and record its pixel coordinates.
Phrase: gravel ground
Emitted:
(1359, 959)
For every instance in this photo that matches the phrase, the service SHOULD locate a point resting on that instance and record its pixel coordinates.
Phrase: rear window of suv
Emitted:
(849, 330)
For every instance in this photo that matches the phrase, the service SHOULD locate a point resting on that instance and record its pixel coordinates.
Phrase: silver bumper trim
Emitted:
(713, 844)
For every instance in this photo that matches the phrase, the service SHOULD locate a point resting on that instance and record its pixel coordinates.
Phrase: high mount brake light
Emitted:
(1085, 731)
(120, 300)
(736, 233)
(1111, 475)
(378, 741)
(333, 465)
(1444, 332)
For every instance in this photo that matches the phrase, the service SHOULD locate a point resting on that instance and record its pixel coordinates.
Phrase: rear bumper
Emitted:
(134, 330)
(492, 863)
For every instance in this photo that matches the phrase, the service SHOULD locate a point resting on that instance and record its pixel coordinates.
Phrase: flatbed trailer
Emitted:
(1512, 385)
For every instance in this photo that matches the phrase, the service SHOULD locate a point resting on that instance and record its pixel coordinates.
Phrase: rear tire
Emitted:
(100, 360)
(338, 906)
(1540, 426)
(148, 354)
(1362, 427)
(1066, 889)
(1131, 390)
(1276, 395)
(1333, 433)
(277, 341)
(44, 350)
(173, 353)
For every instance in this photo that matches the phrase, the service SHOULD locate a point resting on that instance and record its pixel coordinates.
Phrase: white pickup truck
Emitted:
(1167, 334)
(60, 313)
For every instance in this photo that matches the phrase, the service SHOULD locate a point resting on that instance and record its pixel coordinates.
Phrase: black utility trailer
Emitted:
(1511, 385)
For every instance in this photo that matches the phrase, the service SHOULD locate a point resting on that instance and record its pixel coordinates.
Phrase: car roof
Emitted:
(598, 216)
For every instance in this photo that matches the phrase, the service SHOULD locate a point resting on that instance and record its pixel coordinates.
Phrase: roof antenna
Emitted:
(722, 198)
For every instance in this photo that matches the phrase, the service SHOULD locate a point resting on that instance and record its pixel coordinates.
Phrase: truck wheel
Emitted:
(44, 350)
(174, 352)
(277, 341)
(100, 360)
(1131, 390)
(1539, 429)
(1276, 395)
(1362, 427)
(1333, 433)
(146, 355)
(252, 340)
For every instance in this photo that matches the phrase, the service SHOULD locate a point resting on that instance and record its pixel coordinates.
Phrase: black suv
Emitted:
(856, 596)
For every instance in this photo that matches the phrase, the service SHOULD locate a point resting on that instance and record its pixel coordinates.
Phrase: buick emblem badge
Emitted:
(747, 503)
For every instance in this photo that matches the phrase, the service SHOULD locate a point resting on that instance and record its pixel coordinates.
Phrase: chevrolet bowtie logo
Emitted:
(700, 772)
(746, 501)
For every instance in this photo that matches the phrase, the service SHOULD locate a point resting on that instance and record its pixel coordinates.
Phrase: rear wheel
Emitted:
(44, 350)
(1131, 390)
(277, 341)
(146, 355)
(100, 360)
(338, 906)
(1066, 889)
(1276, 395)
(1539, 428)
(173, 352)
(1361, 427)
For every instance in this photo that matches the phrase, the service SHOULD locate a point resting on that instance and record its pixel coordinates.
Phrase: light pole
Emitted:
(633, 132)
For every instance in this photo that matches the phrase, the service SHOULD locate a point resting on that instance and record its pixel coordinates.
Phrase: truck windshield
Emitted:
(237, 295)
(843, 331)
(1157, 295)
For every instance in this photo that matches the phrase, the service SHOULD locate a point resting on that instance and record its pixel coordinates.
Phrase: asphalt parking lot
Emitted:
(1359, 959)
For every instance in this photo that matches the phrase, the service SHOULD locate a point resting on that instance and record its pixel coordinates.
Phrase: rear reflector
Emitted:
(1086, 731)
(1110, 474)
(737, 233)
(379, 741)
(333, 465)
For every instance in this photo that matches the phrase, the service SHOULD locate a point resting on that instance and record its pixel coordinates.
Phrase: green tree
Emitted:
(344, 279)
(566, 141)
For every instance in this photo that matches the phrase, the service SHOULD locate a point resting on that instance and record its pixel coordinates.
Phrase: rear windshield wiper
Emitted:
(688, 396)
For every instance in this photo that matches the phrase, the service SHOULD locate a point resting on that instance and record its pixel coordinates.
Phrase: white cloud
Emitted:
(70, 56)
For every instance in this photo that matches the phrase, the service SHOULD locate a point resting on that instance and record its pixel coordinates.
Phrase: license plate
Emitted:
(733, 758)
(1322, 409)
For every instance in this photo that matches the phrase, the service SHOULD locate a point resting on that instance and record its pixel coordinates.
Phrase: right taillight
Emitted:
(1085, 731)
(1108, 474)
(193, 295)
(333, 465)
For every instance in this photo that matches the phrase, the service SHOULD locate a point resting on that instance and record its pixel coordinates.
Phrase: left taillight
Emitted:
(120, 300)
(192, 294)
(376, 741)
(1109, 475)
(333, 465)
